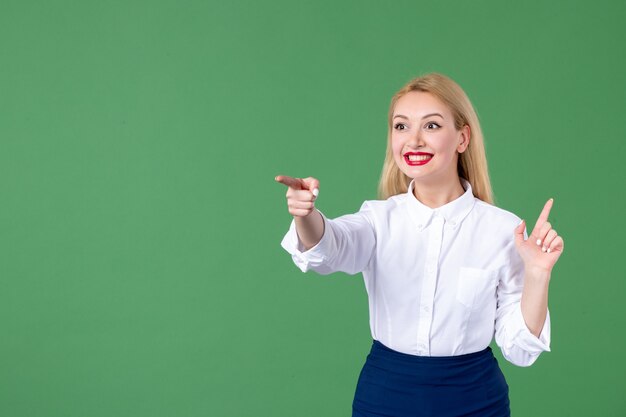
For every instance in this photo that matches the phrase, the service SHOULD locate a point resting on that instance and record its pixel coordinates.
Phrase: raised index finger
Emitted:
(289, 181)
(543, 216)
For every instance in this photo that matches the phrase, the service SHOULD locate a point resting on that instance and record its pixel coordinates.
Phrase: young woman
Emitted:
(444, 269)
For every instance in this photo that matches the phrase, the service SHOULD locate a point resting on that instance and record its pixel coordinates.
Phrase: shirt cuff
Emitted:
(315, 256)
(527, 341)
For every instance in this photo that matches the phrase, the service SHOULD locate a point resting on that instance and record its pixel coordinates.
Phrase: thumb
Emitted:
(312, 184)
(519, 233)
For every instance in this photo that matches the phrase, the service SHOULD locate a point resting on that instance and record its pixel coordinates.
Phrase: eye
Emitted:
(397, 125)
(429, 124)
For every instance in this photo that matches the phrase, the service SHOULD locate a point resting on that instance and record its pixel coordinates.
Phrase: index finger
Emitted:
(543, 216)
(289, 181)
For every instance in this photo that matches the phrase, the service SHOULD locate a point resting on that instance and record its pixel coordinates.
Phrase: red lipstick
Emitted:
(416, 163)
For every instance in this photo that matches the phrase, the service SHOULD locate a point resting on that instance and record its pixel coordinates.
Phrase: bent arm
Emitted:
(520, 343)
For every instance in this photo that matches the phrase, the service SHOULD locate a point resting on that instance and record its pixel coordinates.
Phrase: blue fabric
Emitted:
(396, 384)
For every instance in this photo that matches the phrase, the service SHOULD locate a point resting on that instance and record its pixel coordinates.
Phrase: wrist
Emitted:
(538, 272)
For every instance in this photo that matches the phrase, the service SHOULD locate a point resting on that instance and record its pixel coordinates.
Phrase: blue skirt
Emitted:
(401, 385)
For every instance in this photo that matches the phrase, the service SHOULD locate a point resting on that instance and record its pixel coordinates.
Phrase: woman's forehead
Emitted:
(417, 104)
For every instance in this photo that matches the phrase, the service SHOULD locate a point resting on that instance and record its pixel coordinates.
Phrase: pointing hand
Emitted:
(301, 194)
(543, 247)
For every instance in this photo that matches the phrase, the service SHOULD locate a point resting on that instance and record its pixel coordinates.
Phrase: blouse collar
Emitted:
(453, 212)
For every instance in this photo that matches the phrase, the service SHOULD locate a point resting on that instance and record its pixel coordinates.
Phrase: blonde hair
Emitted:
(472, 164)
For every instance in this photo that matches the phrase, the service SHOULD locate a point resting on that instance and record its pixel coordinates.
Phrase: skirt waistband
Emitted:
(378, 347)
(432, 368)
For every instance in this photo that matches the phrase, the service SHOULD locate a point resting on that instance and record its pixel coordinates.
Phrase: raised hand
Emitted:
(301, 194)
(543, 247)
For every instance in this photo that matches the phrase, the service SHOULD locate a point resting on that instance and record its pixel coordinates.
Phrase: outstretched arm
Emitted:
(325, 245)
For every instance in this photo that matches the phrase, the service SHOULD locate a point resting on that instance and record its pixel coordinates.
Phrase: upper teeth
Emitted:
(419, 157)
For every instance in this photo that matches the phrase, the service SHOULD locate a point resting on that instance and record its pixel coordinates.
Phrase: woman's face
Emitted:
(424, 141)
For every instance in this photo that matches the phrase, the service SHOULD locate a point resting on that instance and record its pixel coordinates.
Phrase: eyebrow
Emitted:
(428, 115)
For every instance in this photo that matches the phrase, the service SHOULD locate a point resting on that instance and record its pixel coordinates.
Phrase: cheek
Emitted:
(444, 146)
(396, 146)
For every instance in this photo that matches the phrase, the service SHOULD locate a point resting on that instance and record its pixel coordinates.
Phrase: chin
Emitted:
(417, 172)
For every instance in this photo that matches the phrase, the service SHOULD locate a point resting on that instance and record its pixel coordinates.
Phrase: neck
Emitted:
(435, 194)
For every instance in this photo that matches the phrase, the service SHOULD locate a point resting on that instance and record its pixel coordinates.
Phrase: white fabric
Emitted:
(440, 282)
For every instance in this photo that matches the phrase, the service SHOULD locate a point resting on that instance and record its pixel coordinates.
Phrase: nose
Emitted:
(415, 140)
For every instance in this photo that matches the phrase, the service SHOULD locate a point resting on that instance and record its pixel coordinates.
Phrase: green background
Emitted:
(141, 272)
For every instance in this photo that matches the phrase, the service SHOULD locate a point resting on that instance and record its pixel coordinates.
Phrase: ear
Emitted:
(464, 139)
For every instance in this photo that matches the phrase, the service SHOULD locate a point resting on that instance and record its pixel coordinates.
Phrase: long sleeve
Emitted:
(519, 346)
(347, 244)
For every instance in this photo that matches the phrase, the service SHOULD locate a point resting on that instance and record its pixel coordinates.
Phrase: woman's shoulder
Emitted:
(385, 205)
(495, 213)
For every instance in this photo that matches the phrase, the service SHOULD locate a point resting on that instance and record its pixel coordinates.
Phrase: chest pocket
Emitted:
(476, 286)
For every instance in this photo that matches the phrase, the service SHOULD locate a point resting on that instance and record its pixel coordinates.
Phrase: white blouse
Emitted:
(440, 282)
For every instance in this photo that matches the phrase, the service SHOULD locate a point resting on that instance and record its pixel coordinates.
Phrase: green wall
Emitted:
(141, 272)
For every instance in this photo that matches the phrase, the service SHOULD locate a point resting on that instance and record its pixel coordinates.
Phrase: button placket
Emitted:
(429, 284)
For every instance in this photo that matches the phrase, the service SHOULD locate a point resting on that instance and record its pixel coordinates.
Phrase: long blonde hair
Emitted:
(472, 164)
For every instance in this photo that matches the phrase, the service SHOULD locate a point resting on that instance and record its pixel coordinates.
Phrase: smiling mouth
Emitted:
(417, 158)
